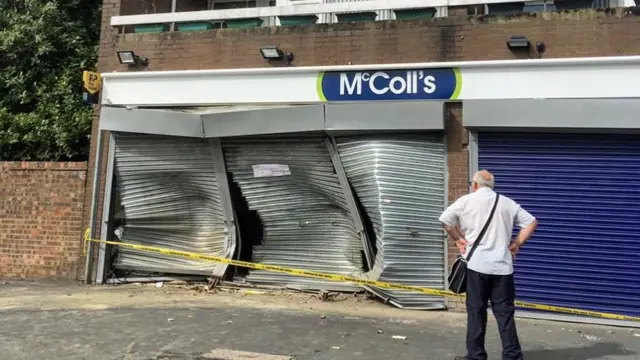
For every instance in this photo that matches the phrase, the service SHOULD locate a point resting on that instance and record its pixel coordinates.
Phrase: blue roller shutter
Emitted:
(585, 192)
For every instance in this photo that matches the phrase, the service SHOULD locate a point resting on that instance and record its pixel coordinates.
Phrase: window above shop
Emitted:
(192, 15)
(538, 6)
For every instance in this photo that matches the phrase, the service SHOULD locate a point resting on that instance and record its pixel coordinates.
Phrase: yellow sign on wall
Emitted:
(92, 81)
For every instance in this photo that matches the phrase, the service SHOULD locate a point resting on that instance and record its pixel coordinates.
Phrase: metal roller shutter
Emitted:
(171, 199)
(585, 192)
(400, 183)
(307, 224)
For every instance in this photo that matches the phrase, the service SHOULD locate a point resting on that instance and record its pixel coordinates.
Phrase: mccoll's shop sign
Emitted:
(412, 84)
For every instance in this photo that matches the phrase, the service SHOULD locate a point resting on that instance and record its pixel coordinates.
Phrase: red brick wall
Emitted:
(567, 34)
(40, 219)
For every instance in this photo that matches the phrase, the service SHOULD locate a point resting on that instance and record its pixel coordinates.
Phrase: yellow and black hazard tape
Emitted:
(350, 279)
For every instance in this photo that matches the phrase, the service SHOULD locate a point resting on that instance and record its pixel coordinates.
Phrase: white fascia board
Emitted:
(604, 77)
(291, 10)
(608, 60)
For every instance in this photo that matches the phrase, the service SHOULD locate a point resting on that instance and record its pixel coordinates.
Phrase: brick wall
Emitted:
(566, 34)
(41, 216)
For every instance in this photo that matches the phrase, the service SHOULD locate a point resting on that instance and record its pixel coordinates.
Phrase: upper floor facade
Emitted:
(144, 16)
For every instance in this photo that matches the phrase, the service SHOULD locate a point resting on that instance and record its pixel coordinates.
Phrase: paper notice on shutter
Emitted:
(271, 170)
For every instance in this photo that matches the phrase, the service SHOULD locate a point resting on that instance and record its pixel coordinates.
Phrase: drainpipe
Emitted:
(173, 10)
(94, 207)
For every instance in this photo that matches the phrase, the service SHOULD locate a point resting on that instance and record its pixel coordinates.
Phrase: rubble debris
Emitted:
(591, 337)
(236, 355)
(213, 282)
(254, 292)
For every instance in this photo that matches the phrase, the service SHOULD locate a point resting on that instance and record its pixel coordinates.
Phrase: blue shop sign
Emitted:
(415, 84)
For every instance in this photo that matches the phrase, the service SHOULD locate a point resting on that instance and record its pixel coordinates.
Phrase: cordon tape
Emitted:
(350, 279)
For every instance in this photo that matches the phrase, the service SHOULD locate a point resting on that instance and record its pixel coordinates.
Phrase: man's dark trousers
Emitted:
(500, 289)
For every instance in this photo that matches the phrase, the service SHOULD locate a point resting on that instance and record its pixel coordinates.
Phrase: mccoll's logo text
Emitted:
(389, 85)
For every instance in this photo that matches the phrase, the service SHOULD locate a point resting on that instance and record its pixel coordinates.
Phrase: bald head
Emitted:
(483, 178)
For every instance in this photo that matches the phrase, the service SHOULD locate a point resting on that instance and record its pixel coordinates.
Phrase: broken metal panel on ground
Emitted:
(171, 198)
(400, 183)
(291, 183)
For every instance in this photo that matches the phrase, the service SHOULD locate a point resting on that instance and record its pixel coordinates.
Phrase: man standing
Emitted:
(490, 270)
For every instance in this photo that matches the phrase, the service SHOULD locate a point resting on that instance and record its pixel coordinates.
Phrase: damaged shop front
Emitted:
(344, 170)
(301, 186)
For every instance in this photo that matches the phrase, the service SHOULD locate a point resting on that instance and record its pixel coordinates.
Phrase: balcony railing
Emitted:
(220, 13)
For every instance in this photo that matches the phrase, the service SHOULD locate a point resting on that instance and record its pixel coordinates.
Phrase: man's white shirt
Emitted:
(470, 212)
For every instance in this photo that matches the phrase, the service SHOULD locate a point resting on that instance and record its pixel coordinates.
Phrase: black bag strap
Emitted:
(484, 229)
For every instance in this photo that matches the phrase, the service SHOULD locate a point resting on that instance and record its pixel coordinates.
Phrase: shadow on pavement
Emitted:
(593, 352)
(171, 356)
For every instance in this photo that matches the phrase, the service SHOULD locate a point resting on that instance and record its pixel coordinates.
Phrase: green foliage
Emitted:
(44, 47)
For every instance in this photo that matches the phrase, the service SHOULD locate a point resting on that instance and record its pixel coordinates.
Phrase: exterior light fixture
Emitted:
(273, 52)
(130, 58)
(518, 42)
(541, 48)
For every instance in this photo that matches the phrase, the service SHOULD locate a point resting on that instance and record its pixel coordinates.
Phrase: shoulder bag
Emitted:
(458, 274)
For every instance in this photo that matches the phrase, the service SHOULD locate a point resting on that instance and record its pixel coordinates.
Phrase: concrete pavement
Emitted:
(67, 321)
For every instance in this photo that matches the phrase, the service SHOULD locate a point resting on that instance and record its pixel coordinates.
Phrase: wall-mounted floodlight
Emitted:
(273, 52)
(518, 42)
(130, 58)
(541, 48)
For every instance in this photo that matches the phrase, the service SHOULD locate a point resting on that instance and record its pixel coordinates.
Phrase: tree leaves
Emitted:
(44, 47)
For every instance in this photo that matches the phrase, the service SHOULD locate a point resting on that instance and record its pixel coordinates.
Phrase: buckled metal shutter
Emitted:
(171, 199)
(307, 224)
(585, 192)
(400, 181)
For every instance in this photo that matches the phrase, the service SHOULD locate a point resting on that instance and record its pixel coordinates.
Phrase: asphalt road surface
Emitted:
(66, 321)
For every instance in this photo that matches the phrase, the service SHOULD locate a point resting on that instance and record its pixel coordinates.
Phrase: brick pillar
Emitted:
(458, 173)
